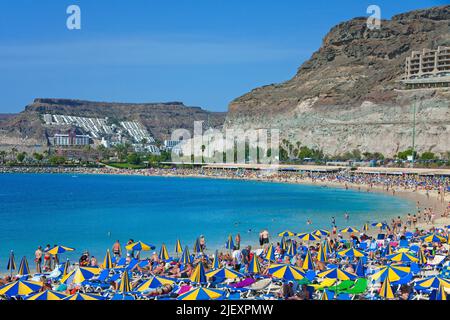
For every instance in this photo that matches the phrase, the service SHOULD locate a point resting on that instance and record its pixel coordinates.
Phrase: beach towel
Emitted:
(244, 283)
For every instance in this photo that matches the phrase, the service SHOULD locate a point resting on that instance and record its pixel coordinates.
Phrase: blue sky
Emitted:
(202, 52)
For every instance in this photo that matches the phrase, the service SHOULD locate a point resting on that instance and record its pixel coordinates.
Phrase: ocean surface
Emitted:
(92, 211)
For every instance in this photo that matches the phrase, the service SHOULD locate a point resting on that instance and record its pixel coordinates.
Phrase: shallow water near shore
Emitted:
(92, 211)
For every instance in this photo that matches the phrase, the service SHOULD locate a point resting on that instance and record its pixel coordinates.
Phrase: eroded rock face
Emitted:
(346, 95)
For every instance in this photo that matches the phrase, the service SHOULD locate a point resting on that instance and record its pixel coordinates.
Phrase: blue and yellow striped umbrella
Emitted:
(338, 274)
(66, 268)
(47, 295)
(402, 257)
(198, 275)
(286, 233)
(107, 262)
(286, 272)
(125, 285)
(349, 230)
(80, 274)
(292, 249)
(163, 254)
(366, 227)
(197, 246)
(59, 250)
(229, 244)
(178, 247)
(11, 266)
(379, 224)
(140, 246)
(202, 294)
(322, 254)
(441, 294)
(386, 289)
(321, 232)
(154, 282)
(391, 271)
(24, 268)
(351, 253)
(359, 269)
(433, 282)
(421, 257)
(307, 237)
(270, 254)
(84, 296)
(308, 262)
(224, 273)
(20, 288)
(433, 238)
(216, 262)
(283, 243)
(186, 256)
(325, 295)
(254, 266)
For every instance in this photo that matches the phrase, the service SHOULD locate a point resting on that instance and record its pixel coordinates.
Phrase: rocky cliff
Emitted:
(348, 96)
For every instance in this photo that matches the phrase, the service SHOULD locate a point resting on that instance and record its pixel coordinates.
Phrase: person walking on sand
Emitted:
(38, 259)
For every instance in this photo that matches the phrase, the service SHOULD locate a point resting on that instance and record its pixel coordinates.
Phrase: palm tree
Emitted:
(14, 153)
(3, 155)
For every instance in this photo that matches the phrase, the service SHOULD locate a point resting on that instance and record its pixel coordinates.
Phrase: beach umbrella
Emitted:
(307, 237)
(197, 247)
(391, 271)
(433, 238)
(321, 232)
(202, 294)
(84, 296)
(270, 254)
(338, 274)
(107, 262)
(308, 262)
(386, 289)
(379, 224)
(229, 244)
(365, 227)
(360, 270)
(322, 254)
(198, 276)
(186, 256)
(139, 246)
(286, 233)
(119, 297)
(125, 285)
(20, 288)
(351, 253)
(402, 257)
(284, 243)
(59, 250)
(286, 272)
(433, 282)
(66, 268)
(216, 262)
(421, 257)
(163, 254)
(24, 269)
(224, 273)
(47, 295)
(11, 266)
(292, 249)
(388, 250)
(254, 266)
(154, 282)
(349, 230)
(178, 247)
(326, 247)
(80, 274)
(441, 294)
(325, 295)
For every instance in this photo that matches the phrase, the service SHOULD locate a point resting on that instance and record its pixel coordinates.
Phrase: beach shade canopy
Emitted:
(292, 249)
(379, 224)
(441, 294)
(59, 249)
(198, 276)
(11, 266)
(365, 227)
(216, 262)
(391, 271)
(283, 243)
(154, 282)
(178, 247)
(163, 254)
(349, 230)
(224, 273)
(338, 274)
(47, 295)
(229, 244)
(402, 257)
(325, 295)
(20, 288)
(202, 294)
(107, 262)
(421, 257)
(270, 254)
(286, 233)
(119, 296)
(24, 268)
(254, 266)
(360, 269)
(433, 282)
(321, 232)
(307, 237)
(433, 238)
(286, 272)
(351, 253)
(84, 296)
(186, 256)
(197, 246)
(80, 274)
(66, 268)
(125, 285)
(308, 262)
(386, 289)
(140, 246)
(322, 254)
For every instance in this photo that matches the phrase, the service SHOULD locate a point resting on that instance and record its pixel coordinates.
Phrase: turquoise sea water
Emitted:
(92, 211)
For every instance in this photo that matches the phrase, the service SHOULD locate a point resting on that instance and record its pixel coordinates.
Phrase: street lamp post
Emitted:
(414, 133)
